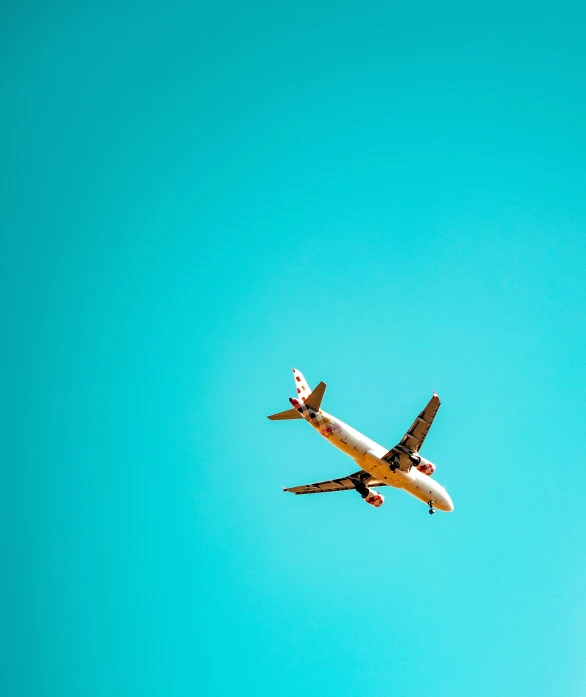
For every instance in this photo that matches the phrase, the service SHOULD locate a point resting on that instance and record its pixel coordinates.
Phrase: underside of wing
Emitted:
(401, 456)
(413, 439)
(342, 484)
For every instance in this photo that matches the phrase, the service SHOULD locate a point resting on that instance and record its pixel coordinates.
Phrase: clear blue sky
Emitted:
(196, 197)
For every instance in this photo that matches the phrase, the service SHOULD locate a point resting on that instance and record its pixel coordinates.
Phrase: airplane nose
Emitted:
(449, 504)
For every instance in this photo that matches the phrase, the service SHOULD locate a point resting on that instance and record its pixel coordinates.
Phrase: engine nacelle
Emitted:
(423, 465)
(373, 498)
(426, 467)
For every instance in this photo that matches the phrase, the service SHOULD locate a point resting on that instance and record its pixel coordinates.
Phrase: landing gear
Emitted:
(431, 508)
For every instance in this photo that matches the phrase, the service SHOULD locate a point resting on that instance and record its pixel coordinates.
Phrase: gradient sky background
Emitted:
(197, 197)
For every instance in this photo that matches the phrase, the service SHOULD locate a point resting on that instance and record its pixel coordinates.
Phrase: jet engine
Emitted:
(374, 498)
(423, 465)
(371, 496)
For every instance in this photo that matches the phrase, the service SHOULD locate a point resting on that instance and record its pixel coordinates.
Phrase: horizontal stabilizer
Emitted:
(285, 415)
(315, 398)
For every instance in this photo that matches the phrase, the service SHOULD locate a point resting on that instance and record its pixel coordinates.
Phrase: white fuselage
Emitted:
(369, 454)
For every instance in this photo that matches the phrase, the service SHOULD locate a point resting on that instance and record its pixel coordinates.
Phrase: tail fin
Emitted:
(303, 390)
(305, 395)
(312, 399)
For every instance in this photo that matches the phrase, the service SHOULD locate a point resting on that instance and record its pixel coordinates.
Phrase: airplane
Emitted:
(401, 467)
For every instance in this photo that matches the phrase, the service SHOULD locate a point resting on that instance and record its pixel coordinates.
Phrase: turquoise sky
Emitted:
(196, 197)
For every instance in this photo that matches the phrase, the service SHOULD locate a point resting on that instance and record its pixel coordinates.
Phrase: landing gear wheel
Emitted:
(431, 508)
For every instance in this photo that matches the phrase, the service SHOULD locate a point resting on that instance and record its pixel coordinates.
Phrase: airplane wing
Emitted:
(342, 484)
(413, 439)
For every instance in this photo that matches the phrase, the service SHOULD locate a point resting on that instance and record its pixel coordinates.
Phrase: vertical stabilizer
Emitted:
(303, 390)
